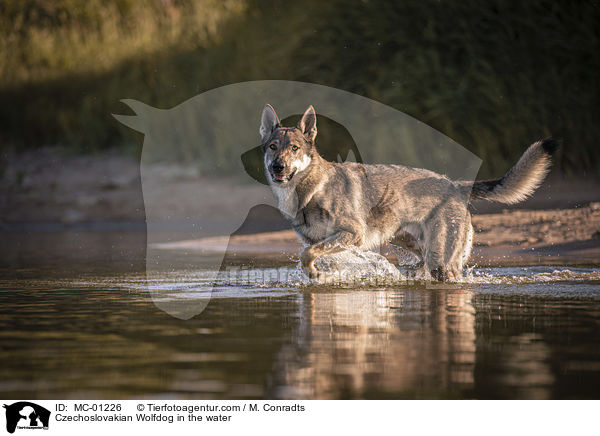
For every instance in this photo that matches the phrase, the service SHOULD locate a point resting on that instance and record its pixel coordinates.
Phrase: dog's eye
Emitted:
(273, 147)
(295, 148)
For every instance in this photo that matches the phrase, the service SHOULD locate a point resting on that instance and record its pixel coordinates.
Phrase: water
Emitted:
(80, 323)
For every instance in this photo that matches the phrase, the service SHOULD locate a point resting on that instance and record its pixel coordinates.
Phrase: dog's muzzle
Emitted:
(278, 173)
(281, 178)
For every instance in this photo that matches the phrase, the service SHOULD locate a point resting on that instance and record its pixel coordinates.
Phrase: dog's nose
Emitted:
(277, 167)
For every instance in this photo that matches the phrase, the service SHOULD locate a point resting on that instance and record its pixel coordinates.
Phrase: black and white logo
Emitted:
(26, 415)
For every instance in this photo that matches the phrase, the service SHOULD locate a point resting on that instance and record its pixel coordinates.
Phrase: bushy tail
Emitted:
(521, 180)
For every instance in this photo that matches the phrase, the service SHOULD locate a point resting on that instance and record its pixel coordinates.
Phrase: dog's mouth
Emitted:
(282, 178)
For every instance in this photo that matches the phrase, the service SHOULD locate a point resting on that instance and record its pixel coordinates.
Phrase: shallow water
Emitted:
(70, 329)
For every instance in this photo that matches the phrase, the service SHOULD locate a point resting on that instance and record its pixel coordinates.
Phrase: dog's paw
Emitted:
(320, 277)
(308, 264)
(439, 274)
(311, 272)
(442, 274)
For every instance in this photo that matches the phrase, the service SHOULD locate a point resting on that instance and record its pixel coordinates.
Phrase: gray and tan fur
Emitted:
(333, 206)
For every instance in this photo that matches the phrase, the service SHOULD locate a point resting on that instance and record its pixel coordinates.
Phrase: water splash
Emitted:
(357, 267)
(350, 269)
(530, 275)
(360, 267)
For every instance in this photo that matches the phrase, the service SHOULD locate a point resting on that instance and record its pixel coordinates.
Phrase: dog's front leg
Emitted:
(333, 244)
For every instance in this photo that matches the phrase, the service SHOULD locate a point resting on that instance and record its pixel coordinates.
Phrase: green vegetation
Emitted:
(492, 75)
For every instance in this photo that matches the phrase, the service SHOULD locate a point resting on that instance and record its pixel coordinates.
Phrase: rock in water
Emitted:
(354, 266)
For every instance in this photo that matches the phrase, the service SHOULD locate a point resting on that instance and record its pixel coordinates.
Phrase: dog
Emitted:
(333, 206)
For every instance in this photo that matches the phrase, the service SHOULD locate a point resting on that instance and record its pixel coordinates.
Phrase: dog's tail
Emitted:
(521, 180)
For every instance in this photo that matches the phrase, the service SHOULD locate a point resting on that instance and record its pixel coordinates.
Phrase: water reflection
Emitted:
(530, 347)
(359, 344)
(524, 368)
(95, 337)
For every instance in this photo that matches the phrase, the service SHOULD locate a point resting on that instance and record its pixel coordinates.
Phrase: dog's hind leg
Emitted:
(445, 249)
(468, 244)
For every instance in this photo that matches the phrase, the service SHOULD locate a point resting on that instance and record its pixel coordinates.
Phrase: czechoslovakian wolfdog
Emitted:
(333, 206)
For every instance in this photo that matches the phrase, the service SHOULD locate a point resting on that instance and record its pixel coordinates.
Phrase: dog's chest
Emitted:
(313, 223)
(287, 200)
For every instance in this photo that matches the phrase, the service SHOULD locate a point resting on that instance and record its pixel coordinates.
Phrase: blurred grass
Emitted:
(46, 39)
(494, 76)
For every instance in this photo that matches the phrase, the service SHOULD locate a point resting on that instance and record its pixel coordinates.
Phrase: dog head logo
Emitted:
(26, 415)
(215, 136)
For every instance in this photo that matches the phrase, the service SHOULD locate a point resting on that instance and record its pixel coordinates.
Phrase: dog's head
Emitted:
(288, 151)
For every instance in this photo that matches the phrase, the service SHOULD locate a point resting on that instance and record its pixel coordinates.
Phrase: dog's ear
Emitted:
(268, 122)
(308, 123)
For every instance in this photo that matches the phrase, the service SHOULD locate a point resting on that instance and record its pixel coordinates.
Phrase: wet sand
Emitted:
(509, 238)
(550, 237)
